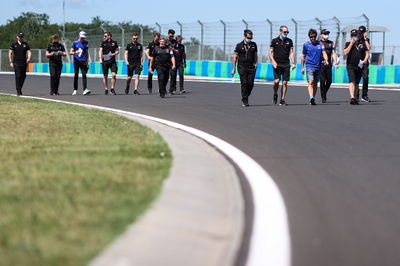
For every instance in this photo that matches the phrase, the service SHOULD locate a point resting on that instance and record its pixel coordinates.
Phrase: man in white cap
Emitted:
(79, 50)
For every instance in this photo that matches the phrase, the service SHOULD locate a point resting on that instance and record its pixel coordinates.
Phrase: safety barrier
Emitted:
(389, 74)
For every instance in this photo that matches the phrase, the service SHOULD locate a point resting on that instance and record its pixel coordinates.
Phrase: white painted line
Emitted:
(270, 238)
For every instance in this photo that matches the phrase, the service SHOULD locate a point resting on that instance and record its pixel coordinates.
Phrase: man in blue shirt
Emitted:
(311, 57)
(79, 50)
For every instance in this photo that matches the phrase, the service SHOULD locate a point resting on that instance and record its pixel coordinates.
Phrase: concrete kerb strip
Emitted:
(270, 239)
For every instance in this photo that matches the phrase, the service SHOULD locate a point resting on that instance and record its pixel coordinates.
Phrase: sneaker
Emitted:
(86, 92)
(19, 93)
(275, 99)
(171, 93)
(245, 103)
(353, 101)
(113, 92)
(136, 92)
(150, 90)
(182, 91)
(312, 101)
(105, 92)
(282, 102)
(127, 91)
(75, 92)
(323, 99)
(162, 95)
(365, 99)
(56, 93)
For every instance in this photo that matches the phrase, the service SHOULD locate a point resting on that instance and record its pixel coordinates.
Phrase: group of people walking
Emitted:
(166, 55)
(318, 58)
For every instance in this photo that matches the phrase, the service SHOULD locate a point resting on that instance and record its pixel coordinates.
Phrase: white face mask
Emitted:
(324, 37)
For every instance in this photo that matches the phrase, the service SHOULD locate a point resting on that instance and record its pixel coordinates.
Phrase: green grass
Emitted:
(71, 180)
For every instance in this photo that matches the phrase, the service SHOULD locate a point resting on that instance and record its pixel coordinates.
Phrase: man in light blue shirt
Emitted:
(79, 50)
(311, 57)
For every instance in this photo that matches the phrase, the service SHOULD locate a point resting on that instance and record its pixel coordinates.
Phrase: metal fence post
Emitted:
(246, 24)
(180, 27)
(295, 38)
(122, 40)
(224, 25)
(320, 24)
(159, 27)
(1, 59)
(39, 56)
(202, 39)
(339, 41)
(270, 29)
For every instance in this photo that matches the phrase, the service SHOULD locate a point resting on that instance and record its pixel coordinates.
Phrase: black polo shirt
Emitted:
(152, 45)
(55, 47)
(135, 51)
(171, 42)
(246, 53)
(179, 52)
(357, 52)
(19, 52)
(162, 56)
(282, 48)
(329, 47)
(109, 47)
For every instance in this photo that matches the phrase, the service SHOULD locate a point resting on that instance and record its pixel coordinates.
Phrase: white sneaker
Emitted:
(75, 92)
(86, 92)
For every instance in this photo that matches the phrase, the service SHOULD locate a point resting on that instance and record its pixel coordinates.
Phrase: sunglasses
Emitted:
(313, 36)
(286, 32)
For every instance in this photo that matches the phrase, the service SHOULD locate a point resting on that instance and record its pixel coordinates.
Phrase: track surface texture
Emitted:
(336, 165)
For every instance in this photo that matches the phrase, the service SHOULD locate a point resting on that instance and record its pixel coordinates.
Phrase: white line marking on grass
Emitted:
(270, 239)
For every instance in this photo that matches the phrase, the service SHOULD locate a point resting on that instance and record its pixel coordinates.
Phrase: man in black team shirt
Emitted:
(357, 56)
(280, 51)
(180, 60)
(107, 52)
(362, 34)
(246, 53)
(54, 52)
(19, 56)
(133, 59)
(149, 53)
(163, 59)
(326, 71)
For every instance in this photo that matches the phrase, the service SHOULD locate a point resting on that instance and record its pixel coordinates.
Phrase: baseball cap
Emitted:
(325, 32)
(362, 29)
(353, 32)
(20, 34)
(82, 34)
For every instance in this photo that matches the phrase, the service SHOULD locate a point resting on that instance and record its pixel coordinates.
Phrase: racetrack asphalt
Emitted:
(336, 165)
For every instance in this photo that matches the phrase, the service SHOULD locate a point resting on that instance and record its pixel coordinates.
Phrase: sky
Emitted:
(381, 13)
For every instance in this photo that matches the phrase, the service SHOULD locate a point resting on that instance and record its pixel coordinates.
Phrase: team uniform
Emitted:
(282, 48)
(55, 64)
(171, 42)
(365, 77)
(326, 71)
(109, 47)
(135, 51)
(152, 45)
(247, 57)
(180, 61)
(80, 62)
(313, 54)
(20, 64)
(163, 63)
(357, 53)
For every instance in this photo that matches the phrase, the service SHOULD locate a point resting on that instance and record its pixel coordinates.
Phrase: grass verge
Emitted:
(71, 180)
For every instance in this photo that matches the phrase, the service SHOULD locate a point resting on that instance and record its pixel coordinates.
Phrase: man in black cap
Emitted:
(357, 56)
(149, 53)
(246, 53)
(55, 51)
(19, 56)
(362, 34)
(180, 60)
(280, 51)
(326, 71)
(107, 52)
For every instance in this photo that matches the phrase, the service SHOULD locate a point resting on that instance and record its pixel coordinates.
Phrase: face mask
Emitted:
(248, 40)
(324, 37)
(354, 38)
(284, 36)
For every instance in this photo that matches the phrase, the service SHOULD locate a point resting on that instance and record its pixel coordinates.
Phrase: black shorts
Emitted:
(354, 73)
(134, 68)
(282, 71)
(109, 65)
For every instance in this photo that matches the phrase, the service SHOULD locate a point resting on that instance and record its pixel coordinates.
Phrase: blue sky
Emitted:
(381, 13)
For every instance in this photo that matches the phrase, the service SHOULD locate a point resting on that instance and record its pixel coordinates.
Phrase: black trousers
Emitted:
(163, 76)
(20, 75)
(365, 76)
(247, 75)
(150, 79)
(325, 80)
(84, 67)
(55, 75)
(174, 73)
